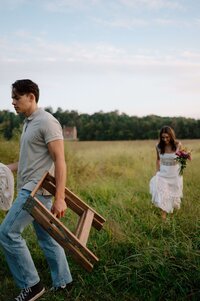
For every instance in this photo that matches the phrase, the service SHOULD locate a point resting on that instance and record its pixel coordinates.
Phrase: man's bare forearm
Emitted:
(60, 176)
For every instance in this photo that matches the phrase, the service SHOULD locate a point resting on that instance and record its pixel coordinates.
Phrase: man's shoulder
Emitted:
(46, 116)
(49, 125)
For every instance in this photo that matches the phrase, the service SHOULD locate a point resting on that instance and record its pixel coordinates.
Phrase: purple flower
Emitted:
(182, 157)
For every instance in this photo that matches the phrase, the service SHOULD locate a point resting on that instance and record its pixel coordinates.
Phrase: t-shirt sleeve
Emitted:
(52, 129)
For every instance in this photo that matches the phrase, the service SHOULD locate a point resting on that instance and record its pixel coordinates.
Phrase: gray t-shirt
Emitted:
(39, 129)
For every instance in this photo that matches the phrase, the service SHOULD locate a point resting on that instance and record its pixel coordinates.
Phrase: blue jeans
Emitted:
(17, 253)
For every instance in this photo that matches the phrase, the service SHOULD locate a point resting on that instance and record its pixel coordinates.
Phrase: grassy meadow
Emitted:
(142, 258)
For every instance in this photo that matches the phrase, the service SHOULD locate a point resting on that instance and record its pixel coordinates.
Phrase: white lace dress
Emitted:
(166, 187)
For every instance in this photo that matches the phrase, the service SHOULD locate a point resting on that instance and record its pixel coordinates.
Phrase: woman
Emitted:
(166, 187)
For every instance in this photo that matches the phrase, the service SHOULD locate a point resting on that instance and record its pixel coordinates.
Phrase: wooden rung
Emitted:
(83, 229)
(74, 202)
(98, 220)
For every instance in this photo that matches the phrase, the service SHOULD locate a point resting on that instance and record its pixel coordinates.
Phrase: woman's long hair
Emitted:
(167, 130)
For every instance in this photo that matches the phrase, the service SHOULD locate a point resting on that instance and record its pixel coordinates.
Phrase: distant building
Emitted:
(69, 133)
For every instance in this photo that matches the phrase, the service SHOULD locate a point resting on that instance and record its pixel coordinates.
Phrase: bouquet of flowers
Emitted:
(182, 156)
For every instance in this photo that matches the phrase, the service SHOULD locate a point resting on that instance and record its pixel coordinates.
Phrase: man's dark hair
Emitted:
(25, 86)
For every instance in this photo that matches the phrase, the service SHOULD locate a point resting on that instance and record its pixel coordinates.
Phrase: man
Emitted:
(41, 149)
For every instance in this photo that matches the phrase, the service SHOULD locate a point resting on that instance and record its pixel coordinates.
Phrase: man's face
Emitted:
(21, 103)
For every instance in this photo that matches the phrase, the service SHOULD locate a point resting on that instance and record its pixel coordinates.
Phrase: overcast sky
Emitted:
(139, 57)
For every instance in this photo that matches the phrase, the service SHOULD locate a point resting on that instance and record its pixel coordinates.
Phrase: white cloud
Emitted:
(125, 23)
(174, 22)
(102, 56)
(191, 55)
(132, 23)
(67, 5)
(153, 4)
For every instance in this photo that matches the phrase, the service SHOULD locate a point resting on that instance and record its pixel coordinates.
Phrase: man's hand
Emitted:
(13, 166)
(58, 208)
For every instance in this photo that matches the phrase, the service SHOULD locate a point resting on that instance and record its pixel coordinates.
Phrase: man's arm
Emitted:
(13, 166)
(56, 150)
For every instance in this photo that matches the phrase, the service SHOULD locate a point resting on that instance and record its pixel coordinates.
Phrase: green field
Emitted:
(141, 257)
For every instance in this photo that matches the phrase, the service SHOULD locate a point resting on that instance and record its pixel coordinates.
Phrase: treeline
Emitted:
(108, 126)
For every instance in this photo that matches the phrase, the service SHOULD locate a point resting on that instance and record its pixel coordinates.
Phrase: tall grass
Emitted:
(141, 258)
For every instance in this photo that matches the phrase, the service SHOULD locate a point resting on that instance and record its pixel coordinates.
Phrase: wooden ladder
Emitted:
(75, 243)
